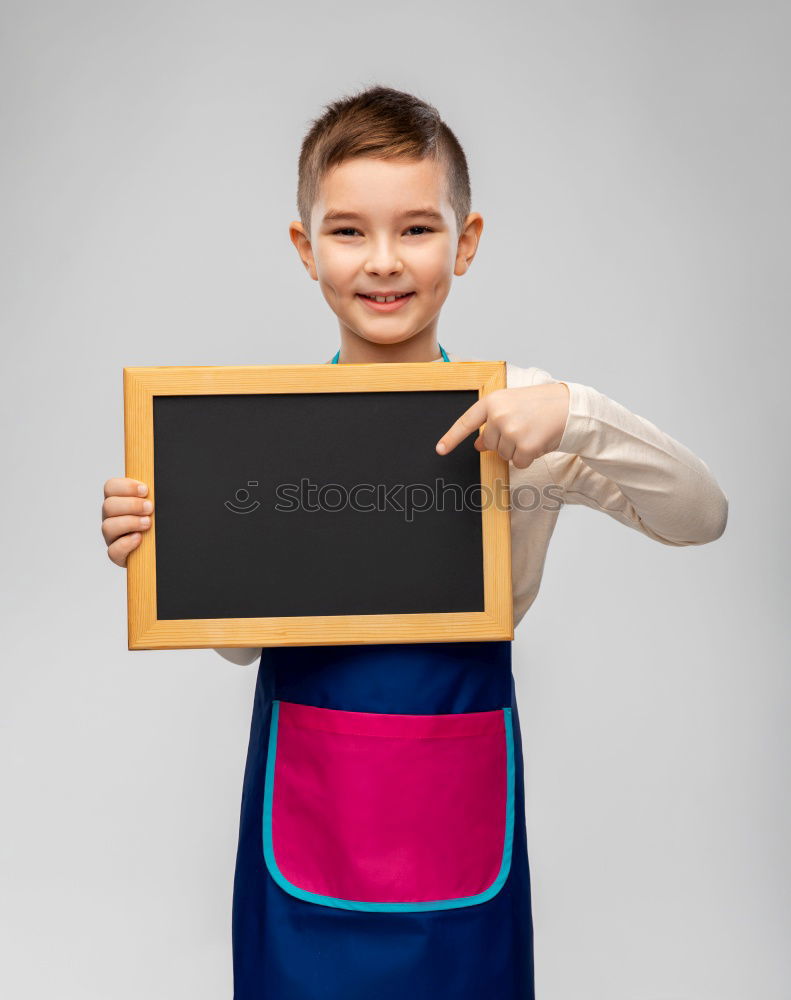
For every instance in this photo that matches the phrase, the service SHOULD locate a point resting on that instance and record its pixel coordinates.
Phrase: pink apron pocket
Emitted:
(371, 811)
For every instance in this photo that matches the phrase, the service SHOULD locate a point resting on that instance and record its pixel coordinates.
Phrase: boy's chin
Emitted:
(392, 340)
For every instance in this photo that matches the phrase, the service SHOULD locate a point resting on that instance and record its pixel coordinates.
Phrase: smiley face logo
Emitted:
(243, 504)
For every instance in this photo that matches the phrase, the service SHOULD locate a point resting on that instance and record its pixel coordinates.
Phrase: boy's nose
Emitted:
(383, 268)
(383, 261)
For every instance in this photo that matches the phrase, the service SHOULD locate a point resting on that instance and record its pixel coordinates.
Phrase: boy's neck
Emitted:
(356, 351)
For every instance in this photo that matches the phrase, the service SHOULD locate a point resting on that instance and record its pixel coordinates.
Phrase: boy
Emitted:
(382, 847)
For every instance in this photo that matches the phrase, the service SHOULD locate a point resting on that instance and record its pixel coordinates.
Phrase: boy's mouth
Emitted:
(389, 305)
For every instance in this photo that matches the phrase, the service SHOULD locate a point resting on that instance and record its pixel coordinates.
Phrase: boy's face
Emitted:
(376, 246)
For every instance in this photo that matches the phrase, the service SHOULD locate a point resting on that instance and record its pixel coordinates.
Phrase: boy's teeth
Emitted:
(390, 298)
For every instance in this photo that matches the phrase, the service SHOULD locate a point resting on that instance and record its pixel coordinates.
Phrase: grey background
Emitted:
(631, 161)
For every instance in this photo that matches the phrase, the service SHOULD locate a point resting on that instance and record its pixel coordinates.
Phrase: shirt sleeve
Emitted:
(612, 460)
(240, 655)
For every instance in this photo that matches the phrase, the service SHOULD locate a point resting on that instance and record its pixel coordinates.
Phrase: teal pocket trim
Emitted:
(355, 904)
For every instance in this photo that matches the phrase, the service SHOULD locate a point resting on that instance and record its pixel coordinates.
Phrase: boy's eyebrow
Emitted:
(337, 213)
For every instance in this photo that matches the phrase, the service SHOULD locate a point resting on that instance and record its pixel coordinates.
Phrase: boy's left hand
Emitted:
(521, 423)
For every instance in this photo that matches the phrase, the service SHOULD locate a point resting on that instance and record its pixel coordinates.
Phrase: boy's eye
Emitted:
(350, 229)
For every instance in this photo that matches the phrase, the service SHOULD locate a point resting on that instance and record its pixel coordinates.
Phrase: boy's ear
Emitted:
(301, 241)
(468, 242)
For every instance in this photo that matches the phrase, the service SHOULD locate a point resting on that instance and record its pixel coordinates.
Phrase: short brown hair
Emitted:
(385, 123)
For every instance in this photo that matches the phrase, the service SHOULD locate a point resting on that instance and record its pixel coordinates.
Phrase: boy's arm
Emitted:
(617, 462)
(240, 655)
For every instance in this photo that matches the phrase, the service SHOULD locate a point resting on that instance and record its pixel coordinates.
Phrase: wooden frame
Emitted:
(145, 631)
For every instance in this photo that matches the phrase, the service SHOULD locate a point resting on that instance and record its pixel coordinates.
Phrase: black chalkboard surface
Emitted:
(257, 513)
(297, 517)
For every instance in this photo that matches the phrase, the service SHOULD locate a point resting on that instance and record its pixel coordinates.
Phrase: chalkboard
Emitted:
(306, 504)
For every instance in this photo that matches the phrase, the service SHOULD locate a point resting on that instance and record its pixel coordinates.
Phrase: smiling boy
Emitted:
(382, 848)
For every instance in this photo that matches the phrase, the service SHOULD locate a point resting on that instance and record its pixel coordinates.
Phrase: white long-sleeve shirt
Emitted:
(609, 459)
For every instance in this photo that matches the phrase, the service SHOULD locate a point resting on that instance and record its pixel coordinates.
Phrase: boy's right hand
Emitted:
(124, 517)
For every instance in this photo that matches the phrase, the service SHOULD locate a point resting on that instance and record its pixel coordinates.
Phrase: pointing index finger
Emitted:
(469, 421)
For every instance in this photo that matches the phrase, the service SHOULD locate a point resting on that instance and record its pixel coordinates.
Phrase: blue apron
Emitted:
(382, 847)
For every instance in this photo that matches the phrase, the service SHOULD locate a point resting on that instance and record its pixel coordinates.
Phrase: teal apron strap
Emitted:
(441, 350)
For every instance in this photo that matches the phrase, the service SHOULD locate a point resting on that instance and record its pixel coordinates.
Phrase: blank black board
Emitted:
(224, 463)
